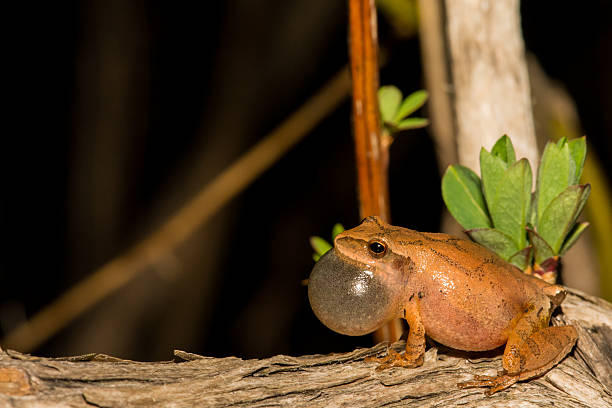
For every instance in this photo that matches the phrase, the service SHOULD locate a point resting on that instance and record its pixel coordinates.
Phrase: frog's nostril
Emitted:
(346, 298)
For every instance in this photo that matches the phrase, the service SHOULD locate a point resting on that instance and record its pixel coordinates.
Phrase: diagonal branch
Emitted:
(179, 227)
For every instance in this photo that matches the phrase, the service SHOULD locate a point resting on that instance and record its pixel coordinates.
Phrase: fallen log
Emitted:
(583, 379)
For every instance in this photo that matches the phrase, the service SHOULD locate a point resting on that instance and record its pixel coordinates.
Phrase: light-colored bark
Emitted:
(583, 379)
(475, 70)
(477, 76)
(489, 76)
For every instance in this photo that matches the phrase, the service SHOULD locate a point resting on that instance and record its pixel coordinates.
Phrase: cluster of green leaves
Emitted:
(500, 211)
(321, 246)
(394, 110)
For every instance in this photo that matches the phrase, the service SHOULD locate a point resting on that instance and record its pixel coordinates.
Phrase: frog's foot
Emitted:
(395, 359)
(496, 383)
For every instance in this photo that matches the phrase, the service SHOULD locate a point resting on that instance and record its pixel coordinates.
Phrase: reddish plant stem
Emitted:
(371, 152)
(371, 157)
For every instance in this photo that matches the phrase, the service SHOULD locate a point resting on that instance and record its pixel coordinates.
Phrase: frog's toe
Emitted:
(489, 377)
(502, 385)
(495, 383)
(395, 359)
(391, 354)
(478, 381)
(385, 361)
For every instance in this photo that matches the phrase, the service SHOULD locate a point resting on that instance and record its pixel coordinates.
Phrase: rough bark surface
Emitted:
(583, 379)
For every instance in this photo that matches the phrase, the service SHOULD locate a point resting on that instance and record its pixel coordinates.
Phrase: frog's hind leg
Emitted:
(544, 349)
(532, 348)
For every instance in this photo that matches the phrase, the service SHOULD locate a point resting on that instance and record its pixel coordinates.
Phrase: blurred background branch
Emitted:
(588, 266)
(158, 247)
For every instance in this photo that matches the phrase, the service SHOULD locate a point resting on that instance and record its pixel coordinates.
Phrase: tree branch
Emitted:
(583, 379)
(371, 154)
(491, 94)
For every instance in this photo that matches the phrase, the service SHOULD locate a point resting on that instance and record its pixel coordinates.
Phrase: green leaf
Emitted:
(562, 142)
(578, 150)
(412, 123)
(559, 217)
(495, 240)
(319, 245)
(338, 228)
(556, 173)
(573, 236)
(522, 258)
(509, 207)
(316, 257)
(492, 169)
(412, 102)
(542, 250)
(531, 220)
(389, 99)
(462, 195)
(504, 150)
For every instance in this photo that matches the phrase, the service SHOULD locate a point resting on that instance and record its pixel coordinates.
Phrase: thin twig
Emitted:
(235, 178)
(438, 82)
(372, 155)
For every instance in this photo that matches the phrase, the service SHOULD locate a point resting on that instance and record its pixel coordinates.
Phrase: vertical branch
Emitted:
(372, 154)
(491, 93)
(436, 67)
(477, 77)
(437, 79)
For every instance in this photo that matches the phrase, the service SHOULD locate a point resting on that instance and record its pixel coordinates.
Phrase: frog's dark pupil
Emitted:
(377, 247)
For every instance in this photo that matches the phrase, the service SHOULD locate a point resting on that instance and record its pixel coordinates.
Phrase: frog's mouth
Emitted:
(346, 298)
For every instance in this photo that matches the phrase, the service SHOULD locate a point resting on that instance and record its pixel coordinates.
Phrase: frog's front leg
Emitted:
(415, 346)
(532, 349)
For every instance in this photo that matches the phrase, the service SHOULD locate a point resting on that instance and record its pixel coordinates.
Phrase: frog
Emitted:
(455, 291)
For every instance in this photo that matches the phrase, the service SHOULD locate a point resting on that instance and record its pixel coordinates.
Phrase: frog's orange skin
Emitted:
(455, 291)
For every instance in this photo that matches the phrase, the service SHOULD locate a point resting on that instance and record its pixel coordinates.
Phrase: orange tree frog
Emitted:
(457, 292)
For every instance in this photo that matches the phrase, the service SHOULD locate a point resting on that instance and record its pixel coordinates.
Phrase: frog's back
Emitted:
(470, 296)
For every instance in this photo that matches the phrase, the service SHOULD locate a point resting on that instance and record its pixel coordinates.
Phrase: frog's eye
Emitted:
(377, 248)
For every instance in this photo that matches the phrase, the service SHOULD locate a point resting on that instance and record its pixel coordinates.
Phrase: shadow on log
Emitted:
(583, 379)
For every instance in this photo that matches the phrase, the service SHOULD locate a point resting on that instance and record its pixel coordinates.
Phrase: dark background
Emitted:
(123, 110)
